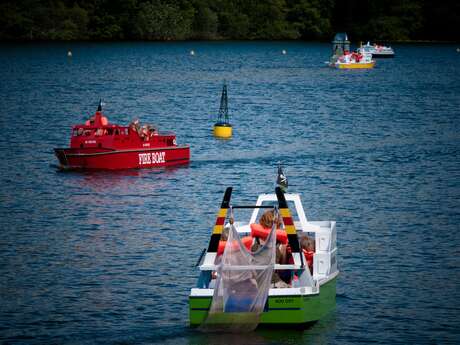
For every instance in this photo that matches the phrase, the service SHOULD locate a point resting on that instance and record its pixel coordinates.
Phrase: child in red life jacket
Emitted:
(308, 248)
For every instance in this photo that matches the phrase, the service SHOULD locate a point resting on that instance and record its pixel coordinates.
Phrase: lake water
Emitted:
(108, 257)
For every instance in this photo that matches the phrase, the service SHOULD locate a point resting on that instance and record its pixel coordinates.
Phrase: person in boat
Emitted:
(90, 121)
(218, 260)
(353, 57)
(135, 126)
(346, 56)
(280, 278)
(145, 132)
(356, 57)
(153, 130)
(247, 242)
(242, 287)
(308, 247)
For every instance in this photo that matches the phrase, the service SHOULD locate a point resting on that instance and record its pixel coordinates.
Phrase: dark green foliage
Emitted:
(376, 20)
(204, 21)
(311, 18)
(159, 20)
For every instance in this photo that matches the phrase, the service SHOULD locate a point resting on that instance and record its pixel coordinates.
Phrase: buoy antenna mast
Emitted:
(223, 110)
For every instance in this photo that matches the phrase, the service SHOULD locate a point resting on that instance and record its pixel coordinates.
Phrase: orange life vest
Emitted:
(247, 242)
(259, 231)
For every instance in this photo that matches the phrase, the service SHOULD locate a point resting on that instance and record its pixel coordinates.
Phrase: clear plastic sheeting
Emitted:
(242, 285)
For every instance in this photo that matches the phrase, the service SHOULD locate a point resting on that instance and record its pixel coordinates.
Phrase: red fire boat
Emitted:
(98, 144)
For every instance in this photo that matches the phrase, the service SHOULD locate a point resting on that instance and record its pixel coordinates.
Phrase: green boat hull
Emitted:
(289, 310)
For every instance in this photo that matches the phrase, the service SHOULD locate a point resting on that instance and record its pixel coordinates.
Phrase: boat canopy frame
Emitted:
(210, 254)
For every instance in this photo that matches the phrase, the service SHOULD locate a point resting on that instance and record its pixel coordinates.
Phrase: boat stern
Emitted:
(61, 156)
(289, 307)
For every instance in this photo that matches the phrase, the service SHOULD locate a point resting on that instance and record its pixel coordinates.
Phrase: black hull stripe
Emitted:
(184, 160)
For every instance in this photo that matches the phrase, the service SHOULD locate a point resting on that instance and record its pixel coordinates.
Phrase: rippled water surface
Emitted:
(109, 257)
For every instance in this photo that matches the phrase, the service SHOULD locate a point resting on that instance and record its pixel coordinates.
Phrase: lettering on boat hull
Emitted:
(151, 158)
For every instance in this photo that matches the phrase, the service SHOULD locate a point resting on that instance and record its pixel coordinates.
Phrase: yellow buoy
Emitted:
(222, 130)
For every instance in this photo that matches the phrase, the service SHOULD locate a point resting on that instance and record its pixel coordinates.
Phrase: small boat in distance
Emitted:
(377, 51)
(98, 144)
(342, 58)
(354, 61)
(223, 128)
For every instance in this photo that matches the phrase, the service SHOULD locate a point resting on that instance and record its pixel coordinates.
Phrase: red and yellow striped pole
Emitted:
(288, 221)
(220, 220)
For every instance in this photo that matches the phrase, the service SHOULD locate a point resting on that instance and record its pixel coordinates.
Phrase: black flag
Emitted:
(281, 180)
(99, 107)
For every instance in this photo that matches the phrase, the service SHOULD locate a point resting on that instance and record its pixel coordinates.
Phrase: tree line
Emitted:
(163, 20)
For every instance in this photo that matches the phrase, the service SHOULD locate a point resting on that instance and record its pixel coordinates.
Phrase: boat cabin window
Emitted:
(121, 131)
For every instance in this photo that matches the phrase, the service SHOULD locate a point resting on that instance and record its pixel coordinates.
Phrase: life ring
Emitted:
(259, 231)
(247, 242)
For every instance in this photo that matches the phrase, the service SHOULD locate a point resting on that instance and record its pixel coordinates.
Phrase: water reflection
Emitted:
(315, 333)
(107, 180)
(258, 337)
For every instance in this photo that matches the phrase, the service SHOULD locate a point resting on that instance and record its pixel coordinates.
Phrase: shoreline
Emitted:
(226, 40)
